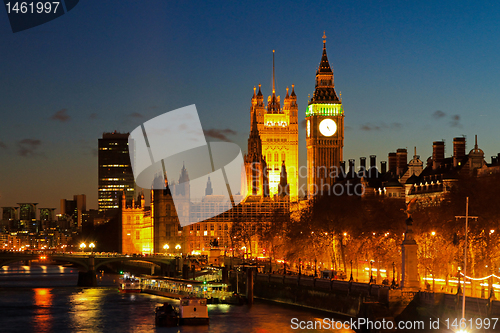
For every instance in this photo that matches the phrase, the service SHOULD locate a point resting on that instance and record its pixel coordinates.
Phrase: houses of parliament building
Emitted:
(271, 170)
(272, 175)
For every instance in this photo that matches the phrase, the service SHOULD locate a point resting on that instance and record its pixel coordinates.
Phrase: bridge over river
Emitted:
(89, 263)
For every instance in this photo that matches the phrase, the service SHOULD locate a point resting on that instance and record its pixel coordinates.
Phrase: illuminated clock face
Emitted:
(327, 127)
(308, 128)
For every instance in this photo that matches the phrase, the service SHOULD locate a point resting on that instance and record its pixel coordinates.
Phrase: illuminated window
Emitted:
(205, 233)
(276, 157)
(137, 235)
(268, 157)
(283, 157)
(137, 220)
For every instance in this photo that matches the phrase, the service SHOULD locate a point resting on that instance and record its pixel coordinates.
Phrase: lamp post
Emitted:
(315, 261)
(92, 245)
(465, 251)
(371, 271)
(459, 287)
(178, 247)
(351, 278)
(300, 266)
(83, 246)
(166, 247)
(393, 275)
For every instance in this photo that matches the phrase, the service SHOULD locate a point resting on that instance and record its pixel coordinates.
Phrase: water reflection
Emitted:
(86, 309)
(42, 320)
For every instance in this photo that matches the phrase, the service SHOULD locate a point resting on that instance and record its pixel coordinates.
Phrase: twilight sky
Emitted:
(111, 65)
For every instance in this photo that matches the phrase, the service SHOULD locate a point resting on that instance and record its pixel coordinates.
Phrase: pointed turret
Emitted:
(182, 188)
(209, 190)
(324, 65)
(283, 187)
(273, 103)
(293, 91)
(260, 92)
(124, 200)
(325, 87)
(184, 177)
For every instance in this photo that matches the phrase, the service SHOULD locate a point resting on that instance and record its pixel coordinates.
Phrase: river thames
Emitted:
(43, 298)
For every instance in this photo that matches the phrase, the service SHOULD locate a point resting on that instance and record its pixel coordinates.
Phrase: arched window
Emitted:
(269, 158)
(276, 157)
(137, 220)
(283, 157)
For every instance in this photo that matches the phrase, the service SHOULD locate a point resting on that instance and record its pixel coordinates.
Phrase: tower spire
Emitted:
(274, 85)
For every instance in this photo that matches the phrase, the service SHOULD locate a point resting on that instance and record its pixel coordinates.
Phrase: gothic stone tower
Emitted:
(324, 130)
(255, 163)
(279, 132)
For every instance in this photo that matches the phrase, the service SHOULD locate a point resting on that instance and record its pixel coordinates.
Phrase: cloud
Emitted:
(61, 116)
(369, 127)
(93, 116)
(438, 114)
(372, 127)
(219, 133)
(3, 145)
(136, 115)
(455, 121)
(28, 147)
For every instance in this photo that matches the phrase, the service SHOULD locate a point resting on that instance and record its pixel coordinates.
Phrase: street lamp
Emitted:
(83, 246)
(371, 270)
(166, 247)
(92, 245)
(351, 278)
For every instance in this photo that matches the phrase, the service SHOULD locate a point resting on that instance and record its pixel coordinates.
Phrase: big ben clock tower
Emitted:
(324, 131)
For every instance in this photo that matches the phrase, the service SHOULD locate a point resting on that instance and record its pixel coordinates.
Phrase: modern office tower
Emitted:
(74, 209)
(46, 217)
(27, 211)
(115, 172)
(324, 130)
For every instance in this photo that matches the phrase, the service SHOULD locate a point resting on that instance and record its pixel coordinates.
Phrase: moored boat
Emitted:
(166, 315)
(193, 311)
(129, 284)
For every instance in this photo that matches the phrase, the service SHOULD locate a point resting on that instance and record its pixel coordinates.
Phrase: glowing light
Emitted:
(324, 110)
(433, 233)
(166, 247)
(177, 247)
